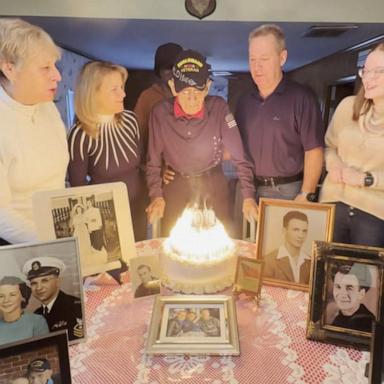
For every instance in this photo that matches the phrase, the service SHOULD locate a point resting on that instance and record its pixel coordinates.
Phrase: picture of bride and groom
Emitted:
(92, 220)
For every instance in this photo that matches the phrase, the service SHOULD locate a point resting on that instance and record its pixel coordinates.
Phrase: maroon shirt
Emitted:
(192, 146)
(276, 131)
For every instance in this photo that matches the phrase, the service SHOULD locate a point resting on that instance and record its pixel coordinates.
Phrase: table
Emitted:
(272, 341)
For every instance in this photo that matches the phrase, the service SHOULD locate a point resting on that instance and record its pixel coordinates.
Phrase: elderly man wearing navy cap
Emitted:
(189, 133)
(350, 285)
(39, 372)
(61, 311)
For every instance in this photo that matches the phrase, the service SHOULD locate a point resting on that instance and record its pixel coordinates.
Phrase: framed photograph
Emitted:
(285, 233)
(42, 282)
(193, 324)
(145, 272)
(376, 365)
(346, 293)
(248, 278)
(97, 215)
(39, 360)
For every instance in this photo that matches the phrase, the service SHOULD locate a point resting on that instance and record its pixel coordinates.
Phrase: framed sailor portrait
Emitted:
(285, 233)
(97, 215)
(42, 281)
(346, 293)
(39, 358)
(193, 324)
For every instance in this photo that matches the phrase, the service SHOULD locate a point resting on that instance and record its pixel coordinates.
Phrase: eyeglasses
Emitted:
(375, 72)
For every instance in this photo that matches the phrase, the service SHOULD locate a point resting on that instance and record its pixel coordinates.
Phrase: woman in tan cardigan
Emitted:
(355, 159)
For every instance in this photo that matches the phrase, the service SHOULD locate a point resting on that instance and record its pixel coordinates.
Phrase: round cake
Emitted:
(198, 256)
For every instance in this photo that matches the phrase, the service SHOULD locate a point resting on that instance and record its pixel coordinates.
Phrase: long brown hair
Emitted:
(362, 105)
(89, 82)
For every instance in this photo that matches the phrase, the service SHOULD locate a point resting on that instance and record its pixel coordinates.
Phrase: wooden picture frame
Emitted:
(179, 325)
(47, 274)
(376, 365)
(249, 276)
(346, 293)
(98, 215)
(284, 227)
(53, 348)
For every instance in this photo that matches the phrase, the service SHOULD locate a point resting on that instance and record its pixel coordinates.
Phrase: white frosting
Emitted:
(199, 256)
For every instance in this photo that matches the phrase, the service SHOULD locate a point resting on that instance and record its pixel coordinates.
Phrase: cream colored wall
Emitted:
(234, 10)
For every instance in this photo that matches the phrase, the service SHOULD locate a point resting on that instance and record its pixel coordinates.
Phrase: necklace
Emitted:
(18, 318)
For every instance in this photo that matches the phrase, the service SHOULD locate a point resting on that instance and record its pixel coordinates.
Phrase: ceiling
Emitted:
(132, 42)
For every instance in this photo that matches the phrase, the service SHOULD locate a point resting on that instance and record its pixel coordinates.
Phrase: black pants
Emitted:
(211, 187)
(354, 226)
(97, 239)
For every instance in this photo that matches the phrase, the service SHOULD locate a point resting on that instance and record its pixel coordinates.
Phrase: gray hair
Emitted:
(269, 29)
(18, 38)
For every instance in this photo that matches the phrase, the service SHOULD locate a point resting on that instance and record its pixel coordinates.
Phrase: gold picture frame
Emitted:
(286, 227)
(193, 325)
(249, 276)
(347, 285)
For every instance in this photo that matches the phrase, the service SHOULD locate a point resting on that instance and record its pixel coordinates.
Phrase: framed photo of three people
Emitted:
(286, 231)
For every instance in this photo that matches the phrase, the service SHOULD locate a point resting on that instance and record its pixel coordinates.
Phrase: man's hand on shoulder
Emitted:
(168, 175)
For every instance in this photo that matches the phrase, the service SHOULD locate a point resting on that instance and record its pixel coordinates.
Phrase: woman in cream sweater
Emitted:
(355, 159)
(33, 150)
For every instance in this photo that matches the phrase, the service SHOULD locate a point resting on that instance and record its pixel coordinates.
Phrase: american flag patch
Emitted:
(230, 120)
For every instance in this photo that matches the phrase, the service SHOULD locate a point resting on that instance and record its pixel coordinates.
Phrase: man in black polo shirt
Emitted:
(189, 133)
(280, 123)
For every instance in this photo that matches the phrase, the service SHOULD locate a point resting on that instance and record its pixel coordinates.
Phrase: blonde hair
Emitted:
(269, 29)
(89, 82)
(362, 105)
(19, 38)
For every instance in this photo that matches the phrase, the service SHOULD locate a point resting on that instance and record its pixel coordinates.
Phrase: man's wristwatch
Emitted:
(310, 196)
(368, 179)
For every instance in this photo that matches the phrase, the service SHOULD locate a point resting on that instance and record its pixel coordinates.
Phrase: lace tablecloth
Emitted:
(272, 342)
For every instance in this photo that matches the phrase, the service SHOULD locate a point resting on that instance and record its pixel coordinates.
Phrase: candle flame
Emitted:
(199, 236)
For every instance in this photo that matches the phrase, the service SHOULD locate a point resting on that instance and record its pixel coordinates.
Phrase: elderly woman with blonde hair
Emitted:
(105, 144)
(355, 161)
(33, 151)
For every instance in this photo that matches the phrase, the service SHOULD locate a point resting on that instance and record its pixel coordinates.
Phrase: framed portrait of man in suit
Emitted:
(286, 231)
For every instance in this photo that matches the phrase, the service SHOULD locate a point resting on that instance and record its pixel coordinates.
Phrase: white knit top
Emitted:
(33, 157)
(346, 141)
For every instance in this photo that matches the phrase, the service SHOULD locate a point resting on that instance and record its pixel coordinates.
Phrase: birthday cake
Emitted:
(198, 256)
